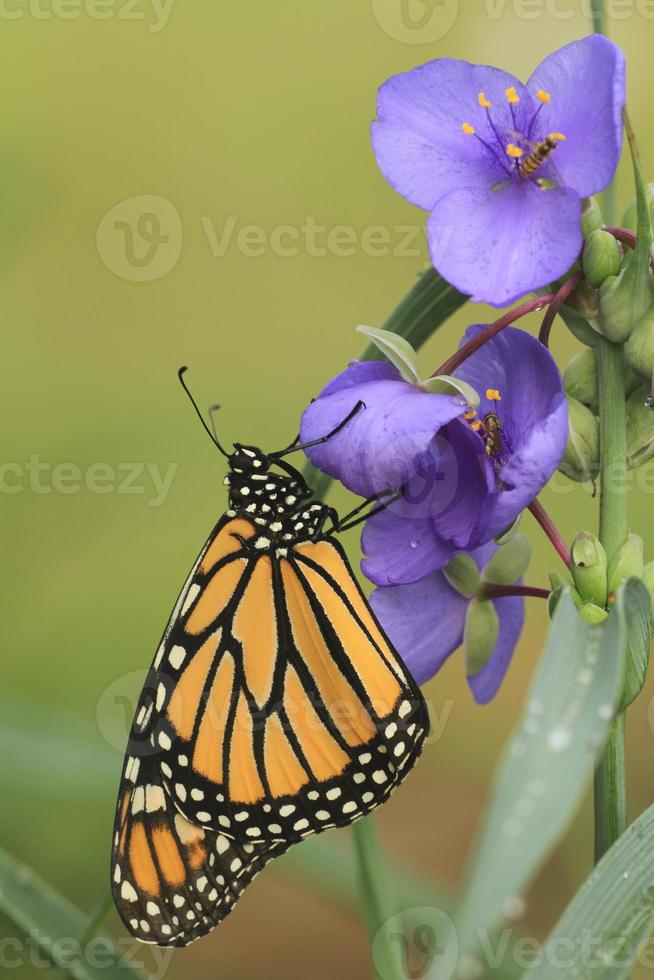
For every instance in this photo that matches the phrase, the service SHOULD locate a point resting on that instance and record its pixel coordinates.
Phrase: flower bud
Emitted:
(640, 429)
(630, 216)
(509, 563)
(581, 457)
(591, 218)
(626, 562)
(462, 573)
(602, 257)
(593, 614)
(639, 349)
(480, 633)
(624, 304)
(580, 378)
(588, 564)
(559, 585)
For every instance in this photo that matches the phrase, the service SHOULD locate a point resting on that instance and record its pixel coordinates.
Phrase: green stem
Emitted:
(378, 898)
(598, 16)
(610, 795)
(609, 197)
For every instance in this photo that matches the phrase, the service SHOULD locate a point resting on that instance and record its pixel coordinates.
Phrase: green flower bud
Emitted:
(589, 568)
(591, 217)
(626, 562)
(625, 302)
(602, 257)
(640, 429)
(639, 349)
(593, 614)
(509, 563)
(480, 634)
(462, 574)
(579, 326)
(559, 585)
(580, 378)
(581, 457)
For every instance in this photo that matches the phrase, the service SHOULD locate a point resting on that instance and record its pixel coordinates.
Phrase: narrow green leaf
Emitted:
(445, 384)
(600, 932)
(547, 764)
(396, 349)
(638, 616)
(58, 928)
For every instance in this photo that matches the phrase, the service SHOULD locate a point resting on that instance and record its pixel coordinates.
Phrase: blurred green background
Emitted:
(225, 116)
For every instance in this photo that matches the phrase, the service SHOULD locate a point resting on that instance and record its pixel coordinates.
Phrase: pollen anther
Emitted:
(557, 136)
(476, 426)
(470, 415)
(511, 94)
(483, 101)
(514, 151)
(493, 395)
(467, 128)
(543, 95)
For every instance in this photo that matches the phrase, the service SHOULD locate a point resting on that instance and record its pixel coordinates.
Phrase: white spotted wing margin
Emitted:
(172, 881)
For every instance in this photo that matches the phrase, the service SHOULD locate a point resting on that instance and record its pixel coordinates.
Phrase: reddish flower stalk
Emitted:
(560, 298)
(484, 336)
(623, 235)
(550, 530)
(491, 591)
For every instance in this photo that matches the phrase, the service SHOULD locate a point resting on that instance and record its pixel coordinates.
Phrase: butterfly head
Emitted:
(248, 459)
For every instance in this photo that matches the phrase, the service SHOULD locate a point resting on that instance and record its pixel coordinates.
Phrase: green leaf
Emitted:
(445, 384)
(58, 927)
(548, 763)
(638, 616)
(600, 932)
(396, 349)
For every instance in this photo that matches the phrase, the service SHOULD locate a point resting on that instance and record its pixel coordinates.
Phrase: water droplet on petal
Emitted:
(559, 738)
(649, 402)
(414, 543)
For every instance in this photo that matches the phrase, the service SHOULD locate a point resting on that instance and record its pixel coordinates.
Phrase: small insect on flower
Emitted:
(275, 707)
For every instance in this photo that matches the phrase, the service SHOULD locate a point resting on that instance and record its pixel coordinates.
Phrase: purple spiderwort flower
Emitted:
(457, 140)
(460, 488)
(425, 621)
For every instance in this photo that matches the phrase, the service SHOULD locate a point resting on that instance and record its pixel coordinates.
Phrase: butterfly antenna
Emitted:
(212, 435)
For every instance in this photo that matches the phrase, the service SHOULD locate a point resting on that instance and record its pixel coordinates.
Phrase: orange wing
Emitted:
(279, 705)
(172, 881)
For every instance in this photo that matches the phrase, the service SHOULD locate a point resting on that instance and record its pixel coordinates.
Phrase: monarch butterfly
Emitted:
(275, 708)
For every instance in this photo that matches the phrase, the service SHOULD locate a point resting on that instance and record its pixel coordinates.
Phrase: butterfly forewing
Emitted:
(285, 709)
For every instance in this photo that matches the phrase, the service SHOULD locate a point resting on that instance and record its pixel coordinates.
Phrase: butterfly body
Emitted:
(275, 708)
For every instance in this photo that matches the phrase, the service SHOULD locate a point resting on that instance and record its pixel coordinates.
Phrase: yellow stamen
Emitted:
(467, 128)
(543, 95)
(493, 395)
(470, 415)
(511, 94)
(514, 151)
(483, 101)
(557, 136)
(476, 426)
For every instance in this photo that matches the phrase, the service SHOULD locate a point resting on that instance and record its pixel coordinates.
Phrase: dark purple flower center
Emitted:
(523, 153)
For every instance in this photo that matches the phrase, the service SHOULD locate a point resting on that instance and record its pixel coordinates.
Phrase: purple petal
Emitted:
(440, 509)
(420, 146)
(485, 684)
(533, 412)
(424, 621)
(401, 549)
(586, 82)
(529, 468)
(382, 445)
(497, 245)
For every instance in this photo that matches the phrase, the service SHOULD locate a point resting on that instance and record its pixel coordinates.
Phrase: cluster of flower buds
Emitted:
(597, 579)
(482, 625)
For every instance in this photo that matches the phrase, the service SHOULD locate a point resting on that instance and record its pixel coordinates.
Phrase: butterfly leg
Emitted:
(381, 502)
